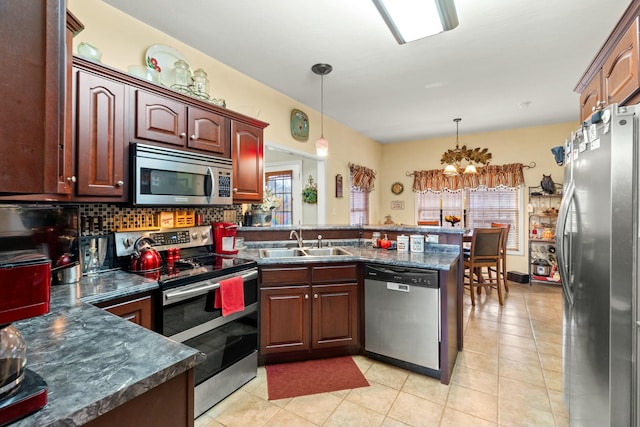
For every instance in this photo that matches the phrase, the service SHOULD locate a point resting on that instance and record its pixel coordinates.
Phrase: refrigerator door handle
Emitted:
(560, 232)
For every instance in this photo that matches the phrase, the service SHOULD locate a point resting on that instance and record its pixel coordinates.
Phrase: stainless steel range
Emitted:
(188, 278)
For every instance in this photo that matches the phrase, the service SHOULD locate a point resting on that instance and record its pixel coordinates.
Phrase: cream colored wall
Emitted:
(123, 41)
(525, 145)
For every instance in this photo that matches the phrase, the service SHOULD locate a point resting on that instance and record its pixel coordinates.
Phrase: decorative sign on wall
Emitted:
(338, 185)
(397, 205)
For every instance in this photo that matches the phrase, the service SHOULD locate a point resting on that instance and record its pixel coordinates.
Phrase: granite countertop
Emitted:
(92, 360)
(436, 256)
(381, 227)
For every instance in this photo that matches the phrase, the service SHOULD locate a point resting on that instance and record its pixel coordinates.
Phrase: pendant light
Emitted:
(322, 145)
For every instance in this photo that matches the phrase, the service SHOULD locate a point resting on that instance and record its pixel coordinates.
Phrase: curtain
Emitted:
(490, 176)
(362, 178)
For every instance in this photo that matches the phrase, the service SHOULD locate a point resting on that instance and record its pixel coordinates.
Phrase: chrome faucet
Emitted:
(319, 241)
(298, 237)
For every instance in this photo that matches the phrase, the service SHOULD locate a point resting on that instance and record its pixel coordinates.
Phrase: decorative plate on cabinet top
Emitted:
(299, 125)
(162, 58)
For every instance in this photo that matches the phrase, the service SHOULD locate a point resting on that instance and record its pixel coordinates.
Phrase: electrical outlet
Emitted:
(230, 216)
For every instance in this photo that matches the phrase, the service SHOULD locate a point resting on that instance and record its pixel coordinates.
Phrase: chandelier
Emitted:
(454, 158)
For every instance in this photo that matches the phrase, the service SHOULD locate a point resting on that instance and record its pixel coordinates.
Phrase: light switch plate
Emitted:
(230, 216)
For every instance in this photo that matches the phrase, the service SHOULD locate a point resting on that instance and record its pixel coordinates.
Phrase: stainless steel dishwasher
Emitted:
(402, 316)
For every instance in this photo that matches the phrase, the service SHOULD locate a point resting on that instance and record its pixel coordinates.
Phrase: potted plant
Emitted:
(310, 192)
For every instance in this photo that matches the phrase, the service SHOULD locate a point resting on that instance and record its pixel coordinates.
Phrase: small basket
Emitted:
(184, 218)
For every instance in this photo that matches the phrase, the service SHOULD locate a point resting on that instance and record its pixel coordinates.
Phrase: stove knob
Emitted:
(204, 235)
(194, 235)
(127, 242)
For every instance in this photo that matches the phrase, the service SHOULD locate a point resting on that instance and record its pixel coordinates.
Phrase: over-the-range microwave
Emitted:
(166, 177)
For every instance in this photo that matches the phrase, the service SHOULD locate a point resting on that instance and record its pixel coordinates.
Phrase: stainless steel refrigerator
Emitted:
(597, 237)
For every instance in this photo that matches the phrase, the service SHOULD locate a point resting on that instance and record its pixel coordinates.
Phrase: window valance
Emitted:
(362, 178)
(490, 176)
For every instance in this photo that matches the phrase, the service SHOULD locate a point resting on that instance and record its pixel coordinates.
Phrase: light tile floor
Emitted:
(509, 374)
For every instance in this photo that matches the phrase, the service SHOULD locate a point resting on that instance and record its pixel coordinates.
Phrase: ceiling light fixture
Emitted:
(411, 20)
(453, 157)
(322, 145)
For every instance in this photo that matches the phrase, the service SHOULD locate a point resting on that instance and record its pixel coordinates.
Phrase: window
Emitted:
(280, 183)
(359, 207)
(501, 205)
(483, 206)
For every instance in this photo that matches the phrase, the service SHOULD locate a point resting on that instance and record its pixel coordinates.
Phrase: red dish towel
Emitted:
(230, 296)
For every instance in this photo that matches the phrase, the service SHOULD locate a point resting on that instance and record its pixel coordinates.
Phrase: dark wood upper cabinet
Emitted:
(247, 153)
(166, 121)
(160, 119)
(33, 70)
(100, 118)
(620, 71)
(591, 97)
(612, 77)
(208, 131)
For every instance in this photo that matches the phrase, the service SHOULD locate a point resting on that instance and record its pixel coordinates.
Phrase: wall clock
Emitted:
(299, 125)
(397, 188)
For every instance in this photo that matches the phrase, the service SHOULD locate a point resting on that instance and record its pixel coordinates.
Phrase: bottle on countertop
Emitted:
(248, 218)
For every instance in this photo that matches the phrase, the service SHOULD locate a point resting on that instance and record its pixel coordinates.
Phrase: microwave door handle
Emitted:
(213, 184)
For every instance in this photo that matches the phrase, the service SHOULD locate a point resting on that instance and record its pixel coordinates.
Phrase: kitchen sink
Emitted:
(327, 252)
(296, 252)
(281, 253)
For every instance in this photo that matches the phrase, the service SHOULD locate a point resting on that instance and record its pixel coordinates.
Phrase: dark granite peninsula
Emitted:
(101, 369)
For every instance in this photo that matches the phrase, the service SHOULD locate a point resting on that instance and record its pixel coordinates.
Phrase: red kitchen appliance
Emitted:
(145, 258)
(224, 237)
(25, 279)
(32, 237)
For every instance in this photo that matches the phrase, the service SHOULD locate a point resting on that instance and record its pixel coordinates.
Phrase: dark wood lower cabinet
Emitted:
(301, 319)
(284, 319)
(168, 405)
(137, 309)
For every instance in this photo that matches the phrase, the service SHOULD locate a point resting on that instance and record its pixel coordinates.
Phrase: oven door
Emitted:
(172, 177)
(188, 317)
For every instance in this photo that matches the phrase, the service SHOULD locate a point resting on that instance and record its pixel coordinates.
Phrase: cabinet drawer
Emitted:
(138, 311)
(284, 276)
(334, 273)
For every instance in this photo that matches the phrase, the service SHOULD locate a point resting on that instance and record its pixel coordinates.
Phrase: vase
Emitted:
(261, 218)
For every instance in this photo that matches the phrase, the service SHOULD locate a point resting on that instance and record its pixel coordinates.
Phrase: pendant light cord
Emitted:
(322, 106)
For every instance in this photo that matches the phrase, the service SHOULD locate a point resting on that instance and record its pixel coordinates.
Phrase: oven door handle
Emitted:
(203, 289)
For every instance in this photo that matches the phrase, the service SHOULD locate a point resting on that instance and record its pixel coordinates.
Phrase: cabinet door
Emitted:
(32, 107)
(335, 315)
(160, 119)
(100, 119)
(620, 71)
(590, 97)
(208, 132)
(284, 319)
(137, 311)
(247, 153)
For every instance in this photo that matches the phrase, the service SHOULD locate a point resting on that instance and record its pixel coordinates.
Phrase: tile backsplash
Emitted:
(106, 214)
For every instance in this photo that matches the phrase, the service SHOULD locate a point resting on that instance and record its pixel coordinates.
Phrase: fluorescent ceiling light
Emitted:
(411, 20)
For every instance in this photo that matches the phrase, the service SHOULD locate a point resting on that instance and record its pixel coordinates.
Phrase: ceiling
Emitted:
(509, 63)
